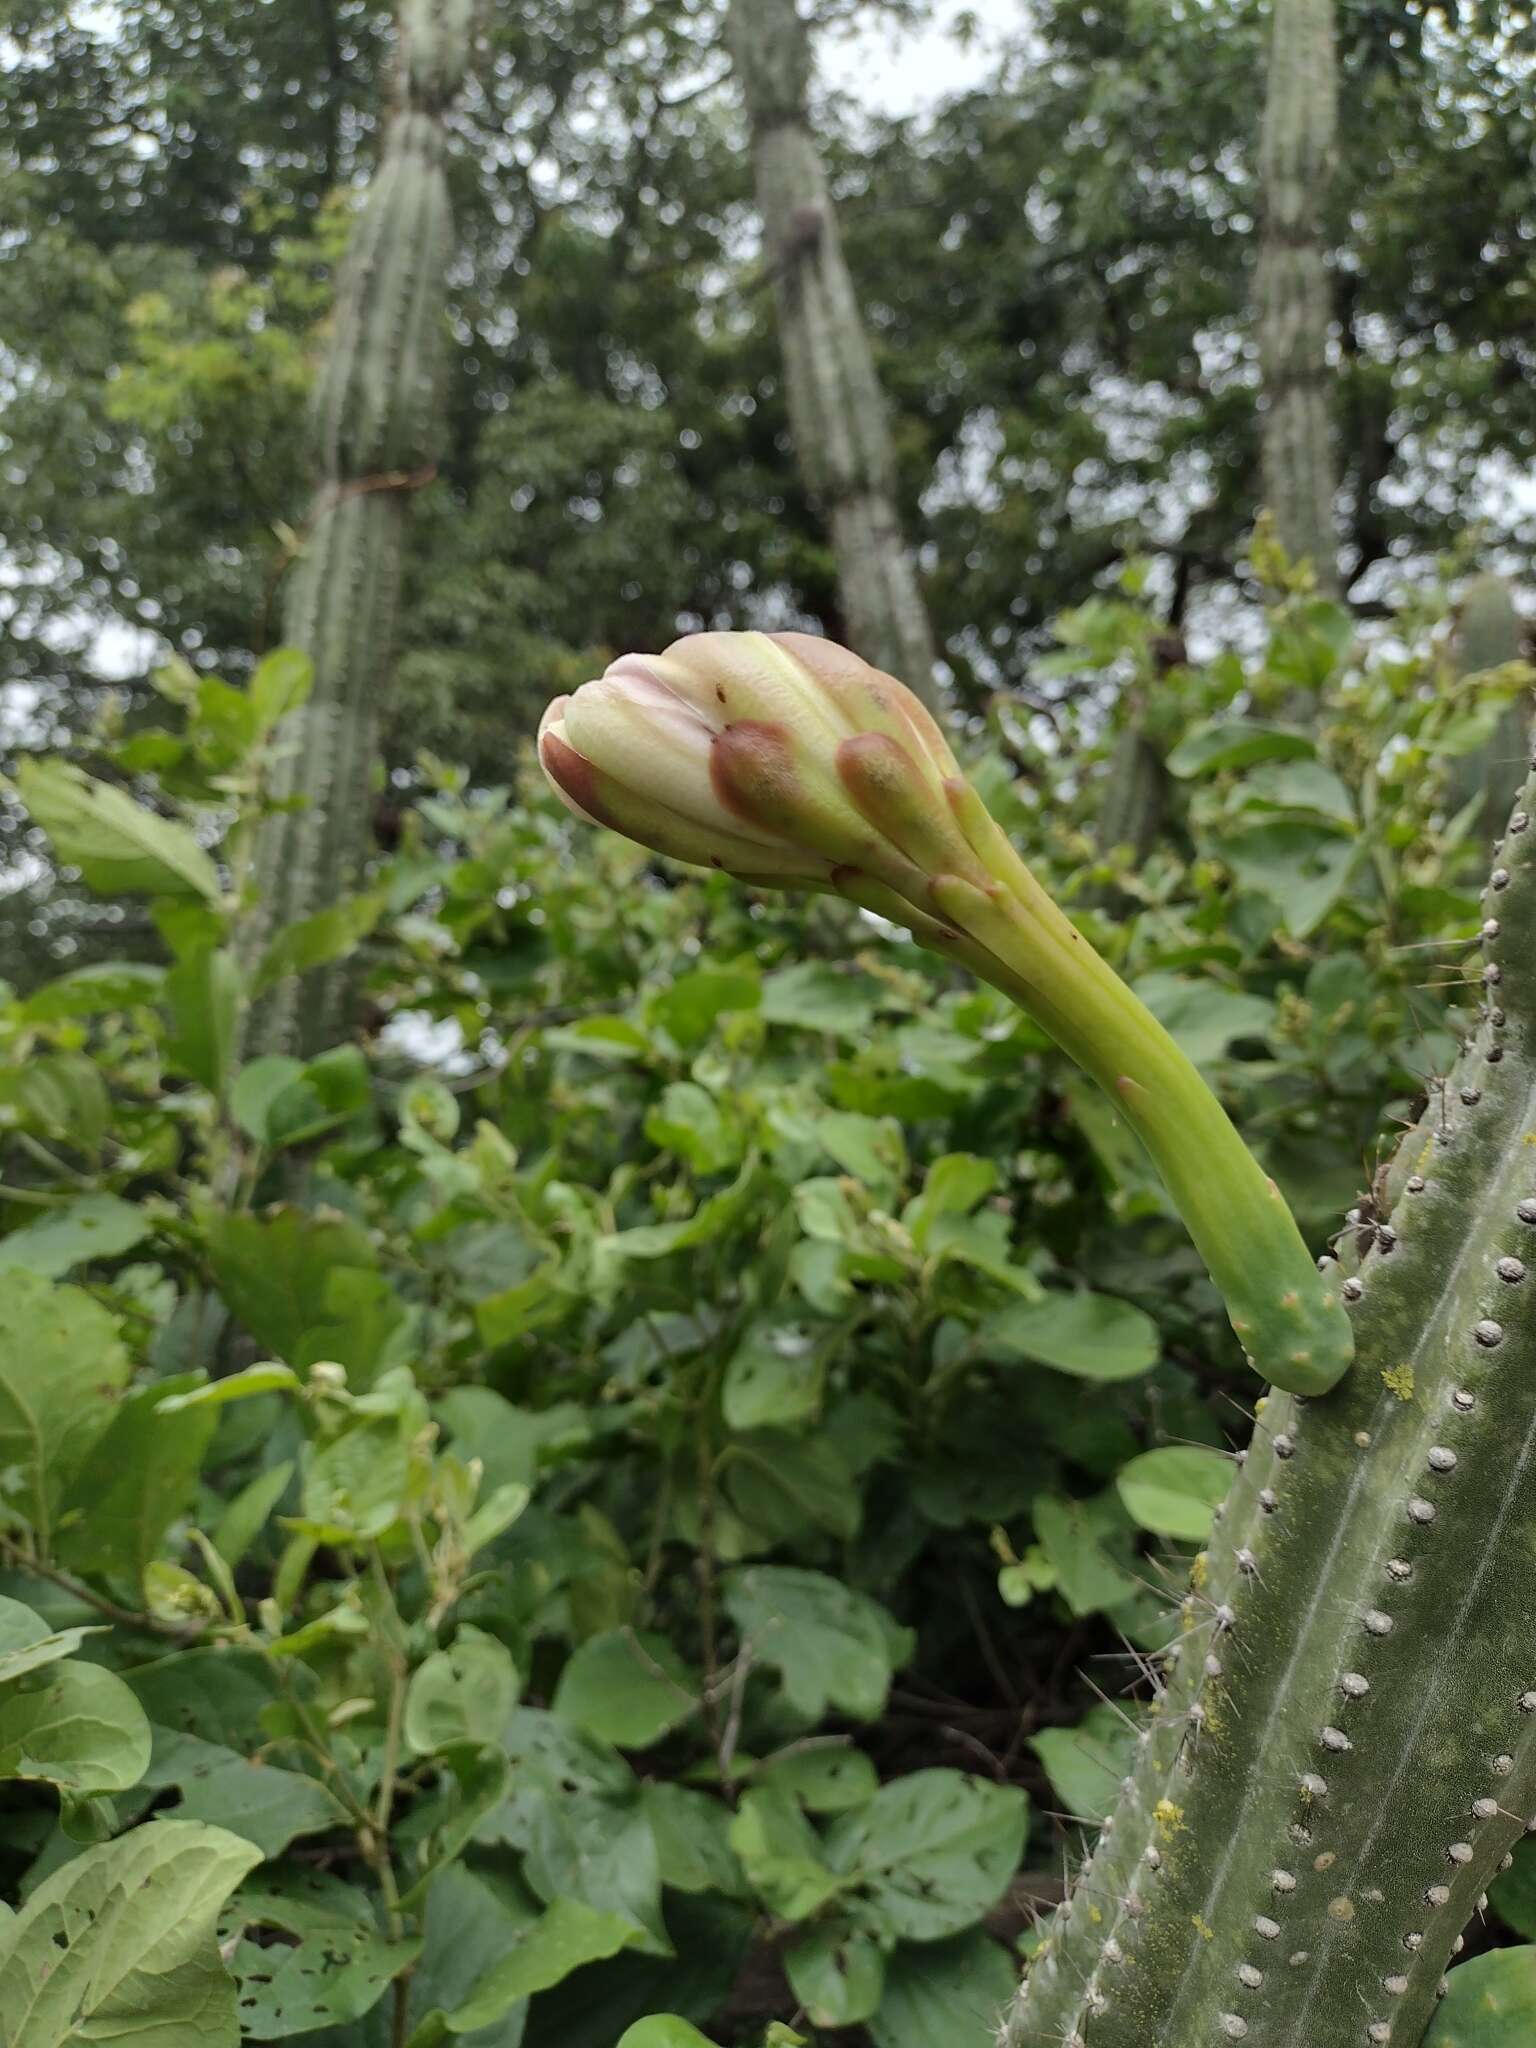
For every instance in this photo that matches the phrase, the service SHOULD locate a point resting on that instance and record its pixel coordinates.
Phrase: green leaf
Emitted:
(929, 1854)
(781, 1854)
(838, 1975)
(329, 1964)
(204, 992)
(1228, 743)
(830, 1645)
(692, 1831)
(711, 1220)
(257, 1801)
(270, 1377)
(1514, 1891)
(94, 991)
(949, 1991)
(1176, 1490)
(626, 1688)
(120, 848)
(813, 996)
(1091, 1336)
(249, 1512)
(331, 934)
(61, 1369)
(257, 1086)
(565, 1938)
(97, 1226)
(1085, 1764)
(953, 1186)
(118, 1947)
(1203, 1016)
(1302, 868)
(1075, 1536)
(828, 1777)
(462, 1694)
(689, 1009)
(292, 1278)
(27, 1643)
(689, 1121)
(665, 2030)
(282, 683)
(784, 1486)
(775, 1375)
(1491, 2003)
(73, 1725)
(139, 1475)
(471, 1920)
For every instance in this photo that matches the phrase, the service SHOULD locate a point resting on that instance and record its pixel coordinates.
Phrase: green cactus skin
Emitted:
(1292, 301)
(837, 409)
(1490, 633)
(1344, 1749)
(376, 425)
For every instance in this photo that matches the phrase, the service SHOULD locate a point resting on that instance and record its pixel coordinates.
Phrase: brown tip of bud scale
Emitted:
(752, 767)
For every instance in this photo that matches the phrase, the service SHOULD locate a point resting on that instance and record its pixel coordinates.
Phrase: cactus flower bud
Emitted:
(789, 762)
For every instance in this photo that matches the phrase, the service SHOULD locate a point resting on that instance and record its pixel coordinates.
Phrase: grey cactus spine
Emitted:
(1345, 1748)
(837, 409)
(376, 426)
(1291, 294)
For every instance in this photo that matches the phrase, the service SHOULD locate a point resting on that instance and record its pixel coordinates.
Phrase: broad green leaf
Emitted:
(331, 934)
(837, 1973)
(62, 1369)
(711, 1220)
(1076, 1536)
(27, 1643)
(692, 1831)
(1228, 743)
(665, 2030)
(97, 1226)
(257, 1801)
(224, 1694)
(830, 1645)
(1302, 868)
(826, 1776)
(1085, 1764)
(138, 1477)
(118, 1947)
(945, 1991)
(120, 848)
(257, 1086)
(687, 1011)
(784, 1486)
(594, 2008)
(73, 1725)
(470, 1921)
(872, 1148)
(328, 1962)
(689, 1121)
(1491, 2003)
(1174, 1491)
(1091, 1336)
(306, 1285)
(781, 1854)
(929, 1854)
(954, 1184)
(813, 996)
(565, 1938)
(93, 991)
(1203, 1016)
(282, 683)
(775, 1375)
(462, 1694)
(626, 1688)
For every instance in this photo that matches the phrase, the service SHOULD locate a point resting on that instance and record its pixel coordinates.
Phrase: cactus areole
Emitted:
(791, 763)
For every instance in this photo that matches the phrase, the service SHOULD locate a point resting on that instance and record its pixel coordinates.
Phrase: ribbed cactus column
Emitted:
(836, 407)
(376, 423)
(1490, 633)
(1344, 1750)
(1291, 296)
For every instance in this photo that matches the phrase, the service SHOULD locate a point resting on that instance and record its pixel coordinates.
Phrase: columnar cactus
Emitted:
(1291, 295)
(376, 427)
(836, 407)
(1343, 1749)
(1490, 634)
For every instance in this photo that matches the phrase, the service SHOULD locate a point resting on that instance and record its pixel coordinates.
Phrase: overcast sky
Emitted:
(901, 74)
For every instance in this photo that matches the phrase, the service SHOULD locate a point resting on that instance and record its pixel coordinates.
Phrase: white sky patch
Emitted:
(903, 72)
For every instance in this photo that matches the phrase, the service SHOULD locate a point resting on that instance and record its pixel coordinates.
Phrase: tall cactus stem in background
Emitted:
(1343, 1749)
(836, 407)
(1291, 295)
(376, 423)
(1490, 634)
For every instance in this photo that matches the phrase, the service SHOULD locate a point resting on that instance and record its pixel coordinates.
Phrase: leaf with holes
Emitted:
(329, 1963)
(117, 1948)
